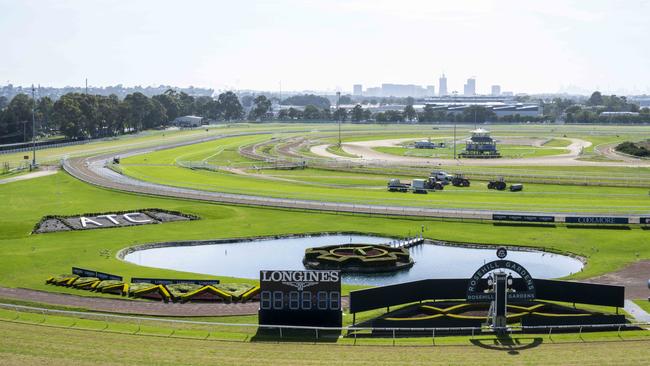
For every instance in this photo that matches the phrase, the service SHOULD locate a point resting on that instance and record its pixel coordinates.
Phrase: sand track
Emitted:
(366, 152)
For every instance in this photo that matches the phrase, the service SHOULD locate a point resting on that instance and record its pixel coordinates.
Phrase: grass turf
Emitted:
(644, 304)
(55, 344)
(335, 186)
(507, 151)
(29, 259)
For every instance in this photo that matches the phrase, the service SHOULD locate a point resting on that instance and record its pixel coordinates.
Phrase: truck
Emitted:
(420, 186)
(441, 176)
(394, 185)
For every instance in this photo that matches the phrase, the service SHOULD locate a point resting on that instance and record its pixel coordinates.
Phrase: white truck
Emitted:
(442, 176)
(419, 186)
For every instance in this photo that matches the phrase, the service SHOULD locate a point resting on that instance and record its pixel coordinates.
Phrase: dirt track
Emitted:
(634, 277)
(365, 151)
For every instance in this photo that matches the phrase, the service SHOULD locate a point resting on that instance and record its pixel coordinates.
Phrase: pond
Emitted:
(245, 259)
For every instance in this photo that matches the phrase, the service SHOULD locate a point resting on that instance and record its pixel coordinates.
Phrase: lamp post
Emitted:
(338, 102)
(33, 128)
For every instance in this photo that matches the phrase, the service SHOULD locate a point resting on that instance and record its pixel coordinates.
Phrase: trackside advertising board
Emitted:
(597, 220)
(81, 272)
(173, 281)
(308, 298)
(522, 218)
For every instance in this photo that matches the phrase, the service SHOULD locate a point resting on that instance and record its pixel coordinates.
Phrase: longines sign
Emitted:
(300, 298)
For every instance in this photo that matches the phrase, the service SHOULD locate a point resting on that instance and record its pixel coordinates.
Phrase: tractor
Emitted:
(499, 184)
(459, 180)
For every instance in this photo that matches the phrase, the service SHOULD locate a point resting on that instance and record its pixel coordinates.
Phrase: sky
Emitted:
(524, 46)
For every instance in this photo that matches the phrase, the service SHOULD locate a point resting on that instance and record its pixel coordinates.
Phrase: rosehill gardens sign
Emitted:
(109, 220)
(479, 290)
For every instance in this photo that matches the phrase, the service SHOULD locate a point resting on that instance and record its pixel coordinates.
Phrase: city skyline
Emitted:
(528, 47)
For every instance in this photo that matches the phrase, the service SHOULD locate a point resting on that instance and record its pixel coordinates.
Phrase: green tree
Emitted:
(367, 115)
(409, 113)
(67, 115)
(16, 122)
(311, 113)
(595, 99)
(44, 108)
(307, 99)
(230, 107)
(294, 113)
(380, 117)
(340, 115)
(357, 113)
(171, 103)
(261, 106)
(394, 116)
(326, 114)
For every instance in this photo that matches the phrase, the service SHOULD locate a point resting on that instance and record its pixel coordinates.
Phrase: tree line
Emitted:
(84, 116)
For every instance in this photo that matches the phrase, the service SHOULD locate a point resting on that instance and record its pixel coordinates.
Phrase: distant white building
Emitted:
(618, 114)
(188, 121)
(442, 85)
(469, 89)
(496, 90)
(357, 89)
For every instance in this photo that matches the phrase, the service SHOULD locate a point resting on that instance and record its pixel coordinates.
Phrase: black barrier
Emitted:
(447, 289)
(644, 220)
(523, 218)
(90, 273)
(597, 220)
(167, 281)
(580, 292)
(384, 296)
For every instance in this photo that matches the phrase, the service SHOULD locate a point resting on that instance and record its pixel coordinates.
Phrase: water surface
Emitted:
(245, 259)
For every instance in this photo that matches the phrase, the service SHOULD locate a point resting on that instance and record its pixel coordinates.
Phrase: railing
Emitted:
(318, 332)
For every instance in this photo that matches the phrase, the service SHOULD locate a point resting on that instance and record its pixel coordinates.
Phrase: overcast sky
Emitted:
(525, 46)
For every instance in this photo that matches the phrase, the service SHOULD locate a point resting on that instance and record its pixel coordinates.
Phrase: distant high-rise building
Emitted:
(431, 91)
(442, 86)
(374, 92)
(496, 90)
(402, 90)
(470, 88)
(357, 89)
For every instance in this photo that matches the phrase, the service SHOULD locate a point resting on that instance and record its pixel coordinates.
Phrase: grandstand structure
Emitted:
(481, 145)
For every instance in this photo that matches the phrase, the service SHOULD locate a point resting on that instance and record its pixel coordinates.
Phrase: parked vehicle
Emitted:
(499, 184)
(459, 180)
(516, 187)
(394, 185)
(420, 186)
(441, 176)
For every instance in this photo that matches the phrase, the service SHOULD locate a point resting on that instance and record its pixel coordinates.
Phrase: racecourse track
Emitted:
(94, 170)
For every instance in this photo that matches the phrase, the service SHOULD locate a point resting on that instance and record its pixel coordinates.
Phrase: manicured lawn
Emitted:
(507, 151)
(335, 186)
(28, 260)
(29, 344)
